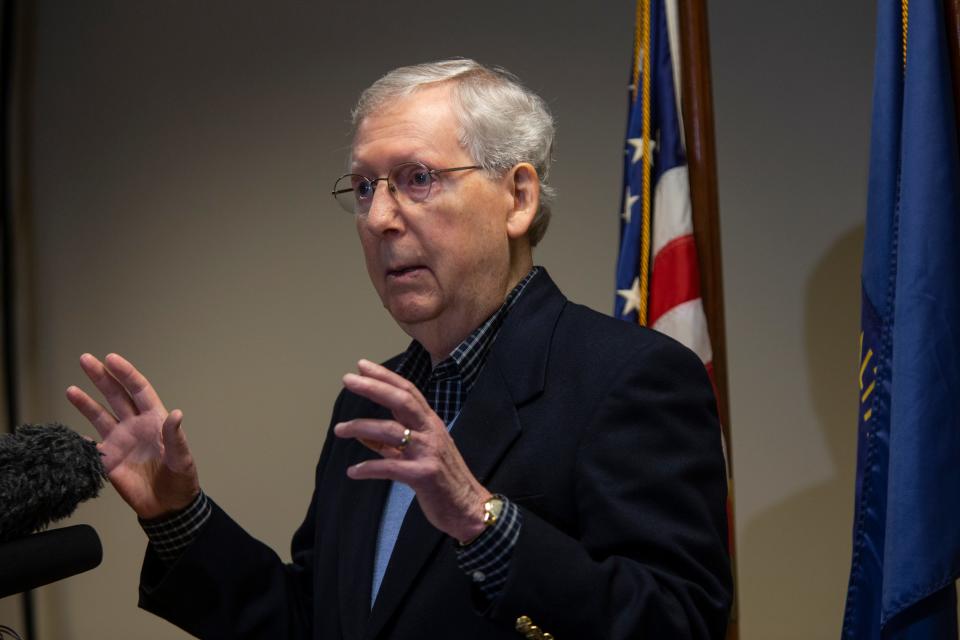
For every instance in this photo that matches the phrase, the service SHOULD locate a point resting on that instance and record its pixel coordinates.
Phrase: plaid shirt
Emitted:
(486, 560)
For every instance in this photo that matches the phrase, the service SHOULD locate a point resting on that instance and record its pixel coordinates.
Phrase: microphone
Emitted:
(45, 472)
(42, 558)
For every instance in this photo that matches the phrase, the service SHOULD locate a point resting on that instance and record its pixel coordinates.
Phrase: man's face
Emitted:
(440, 266)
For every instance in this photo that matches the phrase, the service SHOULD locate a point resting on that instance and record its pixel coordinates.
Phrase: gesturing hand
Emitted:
(449, 495)
(144, 450)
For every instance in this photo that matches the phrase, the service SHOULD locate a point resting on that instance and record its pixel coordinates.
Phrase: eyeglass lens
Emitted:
(410, 182)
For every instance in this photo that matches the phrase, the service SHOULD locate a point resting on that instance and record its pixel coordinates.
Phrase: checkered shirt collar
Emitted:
(447, 385)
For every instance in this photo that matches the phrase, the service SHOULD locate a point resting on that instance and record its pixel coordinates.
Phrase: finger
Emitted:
(373, 445)
(406, 409)
(176, 452)
(384, 450)
(101, 419)
(111, 389)
(398, 470)
(385, 437)
(379, 372)
(136, 384)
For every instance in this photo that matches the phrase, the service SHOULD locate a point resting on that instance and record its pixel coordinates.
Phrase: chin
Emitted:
(408, 312)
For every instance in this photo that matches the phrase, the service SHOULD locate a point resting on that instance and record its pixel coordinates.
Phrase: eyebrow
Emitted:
(365, 170)
(421, 154)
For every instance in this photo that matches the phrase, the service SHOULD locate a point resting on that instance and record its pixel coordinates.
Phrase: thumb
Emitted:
(174, 440)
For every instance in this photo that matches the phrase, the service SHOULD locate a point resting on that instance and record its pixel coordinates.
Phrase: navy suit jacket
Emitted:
(606, 436)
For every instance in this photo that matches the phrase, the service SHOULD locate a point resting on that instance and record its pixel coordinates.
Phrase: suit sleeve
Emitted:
(650, 559)
(228, 584)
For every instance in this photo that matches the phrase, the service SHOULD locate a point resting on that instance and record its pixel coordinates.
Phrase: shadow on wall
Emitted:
(800, 545)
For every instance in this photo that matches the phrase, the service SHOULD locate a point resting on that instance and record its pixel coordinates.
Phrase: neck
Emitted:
(440, 339)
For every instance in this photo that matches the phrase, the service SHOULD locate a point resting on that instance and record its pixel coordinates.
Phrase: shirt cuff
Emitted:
(486, 560)
(171, 535)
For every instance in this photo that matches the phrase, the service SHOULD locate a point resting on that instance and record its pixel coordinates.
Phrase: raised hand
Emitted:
(426, 459)
(144, 449)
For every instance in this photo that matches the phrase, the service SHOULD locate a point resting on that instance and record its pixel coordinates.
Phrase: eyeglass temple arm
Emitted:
(436, 171)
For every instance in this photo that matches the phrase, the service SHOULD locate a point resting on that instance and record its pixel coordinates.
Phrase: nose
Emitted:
(384, 214)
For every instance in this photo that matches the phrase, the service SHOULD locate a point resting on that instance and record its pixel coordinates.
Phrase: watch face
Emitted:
(492, 509)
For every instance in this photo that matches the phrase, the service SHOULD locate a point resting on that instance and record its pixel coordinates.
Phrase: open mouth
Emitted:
(404, 271)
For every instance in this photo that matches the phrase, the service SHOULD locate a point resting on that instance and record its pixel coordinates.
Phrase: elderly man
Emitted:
(526, 465)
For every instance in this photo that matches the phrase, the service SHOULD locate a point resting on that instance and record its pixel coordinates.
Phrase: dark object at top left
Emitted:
(45, 472)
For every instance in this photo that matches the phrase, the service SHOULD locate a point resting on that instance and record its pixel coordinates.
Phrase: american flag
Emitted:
(658, 271)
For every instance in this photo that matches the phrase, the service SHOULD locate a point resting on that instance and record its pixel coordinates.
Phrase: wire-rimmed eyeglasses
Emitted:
(409, 182)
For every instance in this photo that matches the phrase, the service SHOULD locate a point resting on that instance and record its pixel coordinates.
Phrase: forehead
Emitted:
(421, 127)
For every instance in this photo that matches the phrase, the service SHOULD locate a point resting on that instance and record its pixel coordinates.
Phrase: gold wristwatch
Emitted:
(492, 509)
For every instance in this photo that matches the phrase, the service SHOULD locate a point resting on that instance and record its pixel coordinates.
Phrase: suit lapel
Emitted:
(522, 349)
(358, 517)
(485, 430)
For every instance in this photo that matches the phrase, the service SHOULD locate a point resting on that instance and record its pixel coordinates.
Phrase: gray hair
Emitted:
(502, 122)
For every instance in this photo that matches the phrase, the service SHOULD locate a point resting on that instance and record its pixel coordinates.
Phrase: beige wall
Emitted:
(182, 155)
(793, 90)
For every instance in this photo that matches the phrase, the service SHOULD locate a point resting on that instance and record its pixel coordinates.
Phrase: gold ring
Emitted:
(405, 440)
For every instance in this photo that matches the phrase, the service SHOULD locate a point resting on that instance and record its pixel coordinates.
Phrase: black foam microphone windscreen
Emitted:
(45, 472)
(42, 558)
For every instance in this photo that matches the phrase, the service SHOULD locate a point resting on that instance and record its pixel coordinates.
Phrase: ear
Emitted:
(525, 185)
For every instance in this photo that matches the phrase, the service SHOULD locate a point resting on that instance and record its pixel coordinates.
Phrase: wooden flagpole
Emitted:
(697, 96)
(951, 11)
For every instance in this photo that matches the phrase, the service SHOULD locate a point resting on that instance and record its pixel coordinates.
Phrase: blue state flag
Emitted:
(906, 540)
